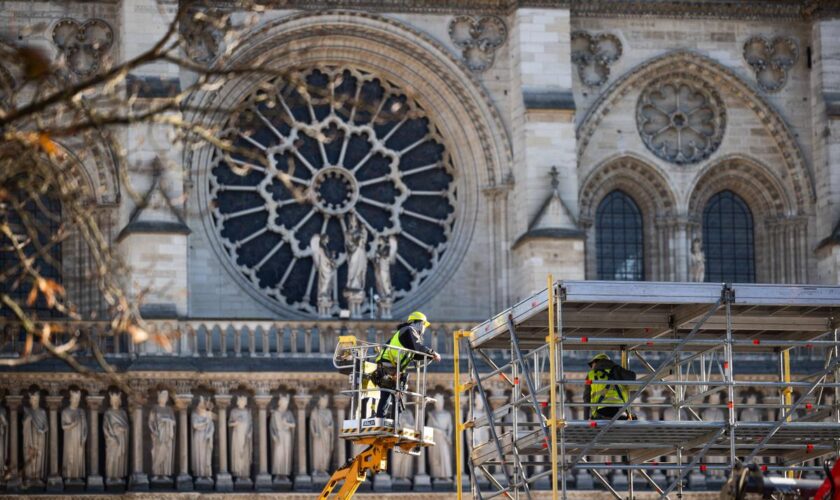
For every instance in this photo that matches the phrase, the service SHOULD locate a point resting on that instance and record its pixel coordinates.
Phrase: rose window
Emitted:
(681, 119)
(313, 150)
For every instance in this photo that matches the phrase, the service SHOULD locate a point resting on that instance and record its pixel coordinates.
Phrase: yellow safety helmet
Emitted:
(418, 316)
(598, 357)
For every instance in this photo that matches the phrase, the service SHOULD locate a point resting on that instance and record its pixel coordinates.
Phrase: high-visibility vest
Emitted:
(607, 393)
(396, 357)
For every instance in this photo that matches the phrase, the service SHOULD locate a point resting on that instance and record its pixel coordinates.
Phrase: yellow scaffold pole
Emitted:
(787, 392)
(459, 425)
(552, 352)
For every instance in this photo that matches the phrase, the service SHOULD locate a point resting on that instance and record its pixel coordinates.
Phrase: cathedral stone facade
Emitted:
(479, 146)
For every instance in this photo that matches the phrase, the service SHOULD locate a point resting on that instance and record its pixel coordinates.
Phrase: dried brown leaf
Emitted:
(137, 334)
(27, 346)
(35, 62)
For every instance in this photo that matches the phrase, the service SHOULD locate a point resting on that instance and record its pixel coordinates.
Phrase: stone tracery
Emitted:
(771, 60)
(336, 142)
(681, 119)
(593, 55)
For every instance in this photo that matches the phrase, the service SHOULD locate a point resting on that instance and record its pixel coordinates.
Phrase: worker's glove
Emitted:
(436, 356)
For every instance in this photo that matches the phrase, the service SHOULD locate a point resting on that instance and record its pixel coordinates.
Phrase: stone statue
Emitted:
(241, 438)
(321, 432)
(403, 463)
(750, 413)
(162, 427)
(480, 435)
(74, 425)
(282, 437)
(355, 240)
(35, 429)
(4, 441)
(115, 429)
(324, 261)
(697, 267)
(440, 455)
(385, 256)
(203, 429)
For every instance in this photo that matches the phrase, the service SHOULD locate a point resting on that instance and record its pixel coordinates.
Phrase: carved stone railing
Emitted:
(213, 338)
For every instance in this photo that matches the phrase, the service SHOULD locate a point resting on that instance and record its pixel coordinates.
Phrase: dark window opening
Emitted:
(619, 239)
(728, 239)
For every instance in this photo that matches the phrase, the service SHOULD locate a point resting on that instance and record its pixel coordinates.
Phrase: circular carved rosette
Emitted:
(681, 119)
(315, 148)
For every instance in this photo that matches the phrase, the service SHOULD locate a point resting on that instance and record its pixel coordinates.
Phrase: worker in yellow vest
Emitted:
(604, 387)
(409, 335)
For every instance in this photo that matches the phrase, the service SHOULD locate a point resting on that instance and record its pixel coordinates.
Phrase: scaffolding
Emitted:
(694, 334)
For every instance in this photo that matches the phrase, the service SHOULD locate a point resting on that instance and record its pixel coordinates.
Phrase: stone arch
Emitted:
(780, 233)
(447, 90)
(798, 177)
(649, 189)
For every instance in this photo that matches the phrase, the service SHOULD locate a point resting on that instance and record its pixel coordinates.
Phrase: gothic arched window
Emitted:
(27, 214)
(619, 238)
(728, 239)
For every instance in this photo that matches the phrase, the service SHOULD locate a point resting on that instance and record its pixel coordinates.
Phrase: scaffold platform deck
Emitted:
(695, 333)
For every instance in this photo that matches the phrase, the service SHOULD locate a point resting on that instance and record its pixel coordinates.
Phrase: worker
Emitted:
(409, 335)
(603, 387)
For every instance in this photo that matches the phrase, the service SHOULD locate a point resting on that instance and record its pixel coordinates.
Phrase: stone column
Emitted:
(263, 482)
(139, 481)
(14, 403)
(224, 481)
(94, 480)
(303, 482)
(341, 401)
(54, 482)
(184, 481)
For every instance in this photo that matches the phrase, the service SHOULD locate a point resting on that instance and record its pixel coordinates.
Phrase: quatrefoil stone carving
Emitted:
(771, 60)
(593, 55)
(478, 37)
(83, 44)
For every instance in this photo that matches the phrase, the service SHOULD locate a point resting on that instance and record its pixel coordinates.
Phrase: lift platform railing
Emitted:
(358, 360)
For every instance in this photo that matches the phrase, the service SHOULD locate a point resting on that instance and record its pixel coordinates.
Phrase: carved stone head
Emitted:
(479, 403)
(696, 247)
(283, 402)
(241, 401)
(115, 398)
(438, 402)
(35, 399)
(163, 397)
(752, 398)
(75, 398)
(323, 402)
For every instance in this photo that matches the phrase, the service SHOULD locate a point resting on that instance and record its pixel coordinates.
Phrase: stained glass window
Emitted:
(619, 239)
(728, 239)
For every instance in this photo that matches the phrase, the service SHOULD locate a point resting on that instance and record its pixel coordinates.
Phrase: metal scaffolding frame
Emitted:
(699, 331)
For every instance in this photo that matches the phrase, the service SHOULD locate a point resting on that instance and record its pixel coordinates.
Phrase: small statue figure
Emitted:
(282, 436)
(321, 432)
(202, 439)
(241, 438)
(440, 455)
(697, 268)
(74, 425)
(324, 261)
(115, 429)
(162, 427)
(355, 240)
(35, 430)
(403, 463)
(385, 256)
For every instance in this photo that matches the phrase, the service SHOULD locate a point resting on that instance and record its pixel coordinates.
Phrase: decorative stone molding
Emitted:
(449, 93)
(203, 32)
(593, 55)
(771, 60)
(83, 44)
(797, 173)
(478, 37)
(680, 119)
